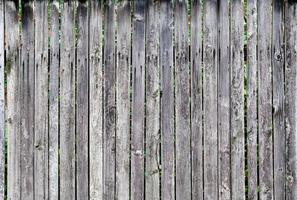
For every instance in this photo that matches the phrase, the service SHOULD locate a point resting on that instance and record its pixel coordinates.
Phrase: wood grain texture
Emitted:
(41, 101)
(182, 103)
(210, 91)
(237, 100)
(290, 102)
(146, 99)
(2, 104)
(279, 153)
(123, 100)
(67, 102)
(96, 101)
(54, 68)
(252, 108)
(224, 102)
(152, 152)
(167, 101)
(12, 61)
(196, 101)
(138, 92)
(82, 101)
(265, 100)
(27, 102)
(109, 101)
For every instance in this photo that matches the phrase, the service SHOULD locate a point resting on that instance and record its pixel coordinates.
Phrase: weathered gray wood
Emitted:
(13, 69)
(278, 101)
(67, 102)
(41, 101)
(265, 100)
(109, 101)
(167, 101)
(290, 103)
(152, 133)
(96, 102)
(2, 120)
(224, 110)
(237, 100)
(252, 125)
(196, 101)
(53, 137)
(210, 79)
(182, 103)
(82, 102)
(93, 156)
(138, 84)
(123, 100)
(27, 102)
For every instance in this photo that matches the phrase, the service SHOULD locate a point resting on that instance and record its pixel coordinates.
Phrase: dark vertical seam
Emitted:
(272, 64)
(88, 86)
(115, 99)
(218, 61)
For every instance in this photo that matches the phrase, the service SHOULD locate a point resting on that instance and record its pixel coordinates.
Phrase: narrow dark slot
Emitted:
(5, 136)
(59, 98)
(89, 100)
(190, 65)
(130, 99)
(202, 90)
(245, 101)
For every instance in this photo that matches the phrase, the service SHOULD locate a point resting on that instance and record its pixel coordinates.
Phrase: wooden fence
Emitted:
(148, 99)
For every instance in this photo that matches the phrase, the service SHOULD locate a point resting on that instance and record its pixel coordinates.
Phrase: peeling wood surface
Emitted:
(53, 139)
(138, 100)
(12, 47)
(96, 100)
(27, 102)
(148, 99)
(224, 100)
(251, 107)
(290, 103)
(67, 102)
(237, 100)
(109, 106)
(41, 101)
(210, 96)
(265, 125)
(167, 101)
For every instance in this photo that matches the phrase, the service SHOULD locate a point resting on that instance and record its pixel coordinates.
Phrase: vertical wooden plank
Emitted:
(167, 101)
(182, 94)
(196, 103)
(109, 101)
(27, 101)
(152, 179)
(2, 120)
(67, 102)
(96, 99)
(290, 93)
(265, 100)
(252, 115)
(278, 101)
(41, 101)
(224, 115)
(54, 102)
(237, 100)
(13, 69)
(138, 84)
(82, 102)
(123, 100)
(210, 79)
